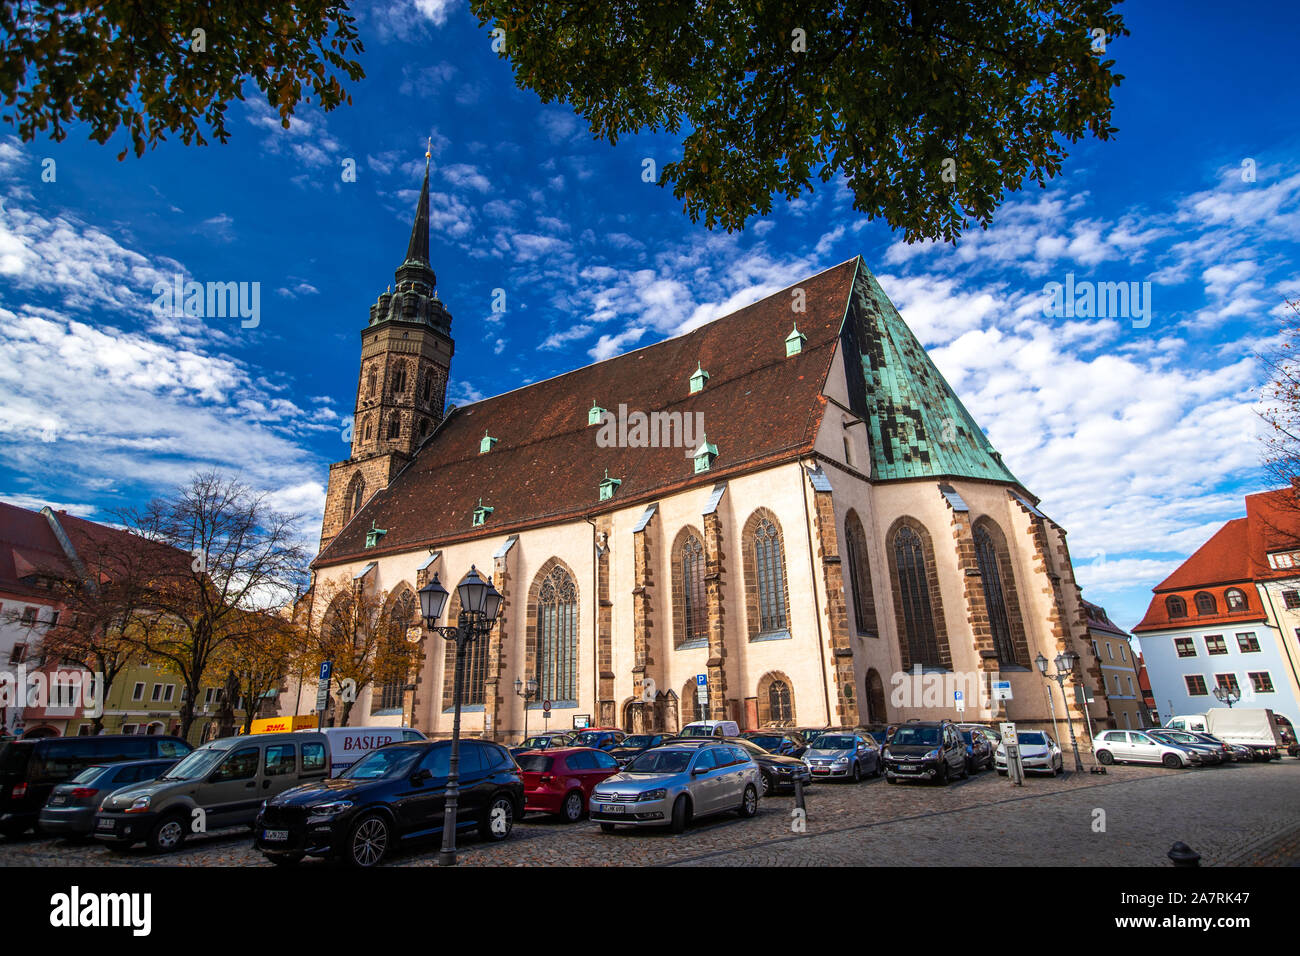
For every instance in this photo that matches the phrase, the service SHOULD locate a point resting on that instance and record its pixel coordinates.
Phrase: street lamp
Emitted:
(480, 603)
(1065, 662)
(528, 691)
(1226, 695)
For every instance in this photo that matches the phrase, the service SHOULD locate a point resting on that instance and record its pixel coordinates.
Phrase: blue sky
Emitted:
(1139, 440)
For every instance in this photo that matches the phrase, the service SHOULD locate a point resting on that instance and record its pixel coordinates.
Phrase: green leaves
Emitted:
(883, 94)
(132, 66)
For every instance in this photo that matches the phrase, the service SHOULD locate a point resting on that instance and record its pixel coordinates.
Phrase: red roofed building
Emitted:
(1230, 614)
(788, 500)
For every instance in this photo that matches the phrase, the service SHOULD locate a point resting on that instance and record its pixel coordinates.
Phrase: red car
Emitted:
(561, 780)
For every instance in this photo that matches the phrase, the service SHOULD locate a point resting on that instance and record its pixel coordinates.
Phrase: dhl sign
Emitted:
(279, 725)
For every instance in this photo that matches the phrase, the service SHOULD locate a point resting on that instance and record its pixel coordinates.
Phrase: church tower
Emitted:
(406, 354)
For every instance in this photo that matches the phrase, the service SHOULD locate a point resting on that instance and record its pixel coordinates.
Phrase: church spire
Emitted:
(417, 250)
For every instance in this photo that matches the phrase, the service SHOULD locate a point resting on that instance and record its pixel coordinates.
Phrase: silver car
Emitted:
(671, 785)
(851, 756)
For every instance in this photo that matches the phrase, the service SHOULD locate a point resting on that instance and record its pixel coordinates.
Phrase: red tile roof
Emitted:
(1099, 620)
(27, 545)
(759, 408)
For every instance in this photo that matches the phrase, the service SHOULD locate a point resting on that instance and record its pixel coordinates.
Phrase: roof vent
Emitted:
(485, 444)
(698, 378)
(374, 534)
(595, 414)
(794, 341)
(608, 486)
(704, 455)
(482, 511)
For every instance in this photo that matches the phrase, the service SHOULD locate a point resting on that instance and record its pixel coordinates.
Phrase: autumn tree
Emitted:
(154, 69)
(365, 634)
(245, 557)
(1280, 407)
(267, 648)
(930, 112)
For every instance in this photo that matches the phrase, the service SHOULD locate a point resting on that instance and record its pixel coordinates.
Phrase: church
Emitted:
(783, 517)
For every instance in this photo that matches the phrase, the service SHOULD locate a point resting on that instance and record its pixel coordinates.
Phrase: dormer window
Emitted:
(794, 341)
(704, 456)
(374, 535)
(595, 414)
(608, 486)
(1175, 606)
(481, 512)
(485, 444)
(698, 378)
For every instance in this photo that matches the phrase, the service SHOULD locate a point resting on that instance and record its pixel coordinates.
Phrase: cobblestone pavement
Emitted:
(979, 822)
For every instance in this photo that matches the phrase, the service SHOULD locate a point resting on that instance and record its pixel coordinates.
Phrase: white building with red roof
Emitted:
(1229, 616)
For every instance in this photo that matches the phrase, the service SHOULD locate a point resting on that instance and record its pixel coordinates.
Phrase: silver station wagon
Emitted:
(671, 785)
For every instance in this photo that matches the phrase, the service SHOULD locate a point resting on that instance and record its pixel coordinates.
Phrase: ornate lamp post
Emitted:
(1226, 695)
(1065, 662)
(479, 604)
(528, 691)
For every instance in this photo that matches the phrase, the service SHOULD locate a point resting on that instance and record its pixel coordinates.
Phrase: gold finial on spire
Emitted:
(428, 151)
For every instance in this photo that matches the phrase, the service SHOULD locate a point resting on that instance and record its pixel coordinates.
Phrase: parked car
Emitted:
(31, 769)
(979, 751)
(1211, 754)
(788, 742)
(546, 741)
(560, 780)
(350, 744)
(1135, 746)
(1039, 753)
(598, 738)
(221, 784)
(70, 810)
(1237, 753)
(925, 750)
(672, 785)
(1253, 727)
(634, 744)
(776, 770)
(878, 732)
(993, 736)
(810, 733)
(393, 797)
(711, 728)
(850, 756)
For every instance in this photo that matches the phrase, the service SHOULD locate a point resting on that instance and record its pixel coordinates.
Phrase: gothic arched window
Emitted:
(557, 637)
(399, 378)
(864, 602)
(778, 702)
(356, 494)
(395, 426)
(917, 608)
(372, 381)
(694, 609)
(768, 597)
(1003, 619)
(401, 617)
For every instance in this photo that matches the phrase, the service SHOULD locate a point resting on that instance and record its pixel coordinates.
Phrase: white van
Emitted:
(350, 744)
(711, 728)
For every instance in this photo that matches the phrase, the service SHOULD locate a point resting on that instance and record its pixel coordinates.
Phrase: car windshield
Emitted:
(589, 739)
(384, 762)
(1032, 738)
(535, 763)
(536, 743)
(767, 742)
(661, 761)
(87, 775)
(637, 740)
(833, 742)
(906, 736)
(197, 764)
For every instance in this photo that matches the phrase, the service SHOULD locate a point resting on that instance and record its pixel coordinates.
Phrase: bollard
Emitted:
(1183, 855)
(798, 793)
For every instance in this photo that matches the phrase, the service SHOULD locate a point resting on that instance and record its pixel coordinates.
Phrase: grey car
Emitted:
(848, 756)
(1211, 754)
(671, 785)
(70, 811)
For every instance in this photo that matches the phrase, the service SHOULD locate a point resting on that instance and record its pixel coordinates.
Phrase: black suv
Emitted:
(787, 742)
(634, 744)
(775, 770)
(392, 797)
(31, 769)
(926, 750)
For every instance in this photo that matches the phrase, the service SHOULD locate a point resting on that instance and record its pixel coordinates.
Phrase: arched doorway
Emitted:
(875, 698)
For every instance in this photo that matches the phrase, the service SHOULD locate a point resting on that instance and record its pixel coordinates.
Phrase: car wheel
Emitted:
(891, 780)
(168, 834)
(571, 811)
(857, 772)
(942, 778)
(369, 841)
(681, 814)
(284, 859)
(749, 802)
(1105, 757)
(1171, 761)
(607, 828)
(499, 818)
(765, 782)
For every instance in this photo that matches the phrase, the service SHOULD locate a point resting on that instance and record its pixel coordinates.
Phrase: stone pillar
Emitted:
(977, 616)
(643, 713)
(417, 704)
(837, 612)
(493, 697)
(714, 562)
(606, 705)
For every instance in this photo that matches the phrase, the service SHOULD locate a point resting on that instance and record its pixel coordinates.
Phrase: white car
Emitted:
(1134, 746)
(1039, 753)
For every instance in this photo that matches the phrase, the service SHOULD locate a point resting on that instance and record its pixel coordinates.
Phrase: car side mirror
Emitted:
(421, 775)
(696, 771)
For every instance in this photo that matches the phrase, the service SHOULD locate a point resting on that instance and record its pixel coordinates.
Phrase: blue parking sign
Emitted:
(326, 669)
(701, 680)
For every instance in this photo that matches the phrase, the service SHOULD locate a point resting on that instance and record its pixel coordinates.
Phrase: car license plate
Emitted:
(58, 801)
(612, 808)
(104, 825)
(275, 836)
